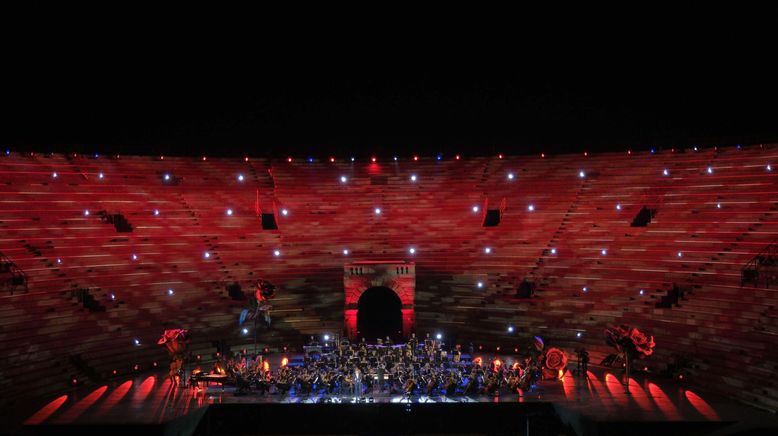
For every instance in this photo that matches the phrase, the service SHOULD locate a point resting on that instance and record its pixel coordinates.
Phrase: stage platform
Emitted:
(574, 406)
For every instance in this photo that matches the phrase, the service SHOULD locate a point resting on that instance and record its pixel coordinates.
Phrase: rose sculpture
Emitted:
(630, 343)
(555, 363)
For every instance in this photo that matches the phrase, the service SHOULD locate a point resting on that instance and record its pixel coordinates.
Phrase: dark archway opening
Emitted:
(379, 314)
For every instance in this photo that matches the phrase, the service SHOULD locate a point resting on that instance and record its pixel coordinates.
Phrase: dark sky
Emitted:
(586, 79)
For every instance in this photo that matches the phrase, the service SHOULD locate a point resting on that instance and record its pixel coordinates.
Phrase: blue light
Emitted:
(585, 289)
(326, 337)
(100, 176)
(439, 157)
(439, 336)
(479, 284)
(618, 206)
(136, 341)
(412, 250)
(581, 174)
(578, 334)
(653, 151)
(510, 329)
(240, 177)
(680, 254)
(86, 213)
(310, 159)
(413, 177)
(553, 251)
(395, 158)
(170, 292)
(665, 172)
(245, 331)
(134, 257)
(166, 177)
(510, 176)
(343, 179)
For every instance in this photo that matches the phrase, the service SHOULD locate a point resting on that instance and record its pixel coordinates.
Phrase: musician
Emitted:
(357, 382)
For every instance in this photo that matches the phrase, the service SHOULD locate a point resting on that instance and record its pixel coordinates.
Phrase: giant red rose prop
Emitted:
(556, 359)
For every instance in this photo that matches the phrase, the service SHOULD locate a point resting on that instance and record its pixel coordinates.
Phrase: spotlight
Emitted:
(680, 254)
(162, 158)
(665, 172)
(284, 212)
(289, 159)
(326, 337)
(510, 329)
(170, 292)
(479, 284)
(695, 148)
(395, 158)
(207, 255)
(531, 208)
(769, 167)
(86, 213)
(345, 252)
(618, 206)
(415, 158)
(373, 159)
(332, 159)
(276, 253)
(604, 252)
(586, 153)
(642, 291)
(439, 157)
(134, 256)
(438, 336)
(100, 176)
(113, 296)
(229, 212)
(136, 341)
(475, 208)
(542, 155)
(240, 177)
(585, 289)
(245, 159)
(59, 260)
(629, 152)
(413, 177)
(166, 177)
(352, 159)
(499, 156)
(718, 205)
(456, 157)
(377, 211)
(156, 212)
(510, 176)
(310, 159)
(245, 331)
(205, 158)
(710, 170)
(553, 251)
(54, 175)
(652, 151)
(343, 179)
(581, 174)
(412, 250)
(488, 250)
(578, 334)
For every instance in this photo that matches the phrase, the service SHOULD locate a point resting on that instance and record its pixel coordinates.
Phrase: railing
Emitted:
(17, 278)
(767, 257)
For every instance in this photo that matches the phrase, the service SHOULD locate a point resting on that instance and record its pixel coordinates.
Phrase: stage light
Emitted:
(412, 250)
(415, 158)
(54, 175)
(413, 177)
(439, 157)
(289, 159)
(59, 260)
(7, 152)
(586, 153)
(718, 205)
(332, 159)
(531, 208)
(284, 212)
(510, 176)
(373, 159)
(74, 381)
(769, 168)
(499, 156)
(345, 252)
(652, 151)
(510, 329)
(710, 170)
(245, 331)
(206, 255)
(136, 341)
(695, 148)
(629, 152)
(162, 158)
(618, 206)
(585, 289)
(343, 179)
(578, 334)
(113, 296)
(665, 172)
(310, 159)
(604, 252)
(479, 284)
(134, 256)
(475, 208)
(229, 212)
(439, 336)
(553, 251)
(352, 159)
(642, 292)
(166, 177)
(326, 337)
(680, 254)
(204, 158)
(97, 155)
(156, 212)
(170, 292)
(377, 211)
(543, 155)
(581, 174)
(86, 213)
(245, 158)
(100, 176)
(240, 177)
(456, 157)
(276, 253)
(394, 158)
(488, 250)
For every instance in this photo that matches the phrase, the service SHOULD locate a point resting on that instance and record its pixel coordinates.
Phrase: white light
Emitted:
(276, 253)
(326, 337)
(100, 175)
(136, 341)
(395, 158)
(769, 167)
(113, 296)
(343, 179)
(531, 207)
(134, 257)
(206, 255)
(86, 213)
(352, 159)
(156, 212)
(578, 334)
(59, 260)
(170, 292)
(642, 292)
(487, 250)
(345, 252)
(553, 251)
(618, 207)
(412, 250)
(510, 329)
(695, 148)
(475, 208)
(378, 211)
(585, 289)
(665, 172)
(439, 336)
(284, 212)
(413, 177)
(229, 212)
(680, 254)
(718, 205)
(581, 174)
(245, 331)
(167, 177)
(480, 284)
(710, 170)
(510, 176)
(604, 252)
(240, 177)
(55, 175)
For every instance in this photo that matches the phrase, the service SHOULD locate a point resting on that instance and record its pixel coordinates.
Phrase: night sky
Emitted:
(659, 78)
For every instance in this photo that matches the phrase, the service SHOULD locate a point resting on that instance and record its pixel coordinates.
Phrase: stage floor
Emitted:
(151, 400)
